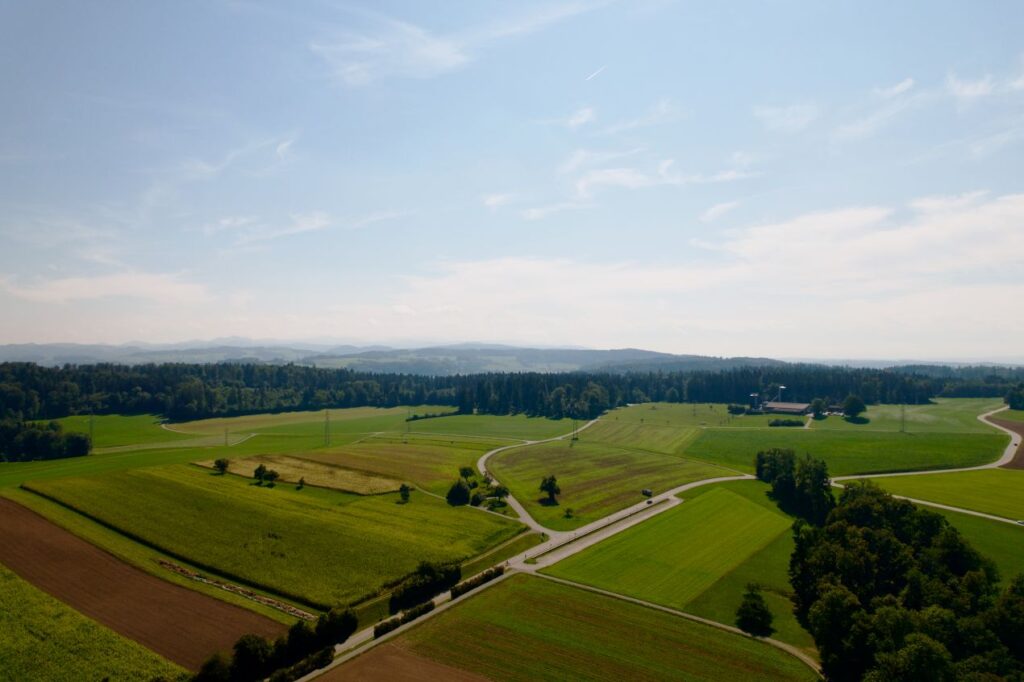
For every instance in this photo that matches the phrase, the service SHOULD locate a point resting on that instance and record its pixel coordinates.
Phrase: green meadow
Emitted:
(1003, 543)
(318, 546)
(528, 628)
(944, 415)
(678, 554)
(999, 492)
(45, 640)
(851, 452)
(595, 479)
(115, 430)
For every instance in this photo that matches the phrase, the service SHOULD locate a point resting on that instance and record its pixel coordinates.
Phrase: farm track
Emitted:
(1010, 459)
(180, 624)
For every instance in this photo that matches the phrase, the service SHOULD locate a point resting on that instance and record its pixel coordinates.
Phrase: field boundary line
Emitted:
(782, 646)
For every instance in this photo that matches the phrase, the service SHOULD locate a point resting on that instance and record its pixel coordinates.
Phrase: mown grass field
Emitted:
(678, 415)
(673, 557)
(515, 427)
(295, 469)
(45, 640)
(1001, 542)
(595, 479)
(851, 452)
(994, 491)
(944, 415)
(630, 434)
(1012, 415)
(528, 628)
(114, 430)
(317, 545)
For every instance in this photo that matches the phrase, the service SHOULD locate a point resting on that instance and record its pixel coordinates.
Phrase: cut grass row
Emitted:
(45, 640)
(595, 479)
(993, 491)
(295, 470)
(527, 628)
(317, 546)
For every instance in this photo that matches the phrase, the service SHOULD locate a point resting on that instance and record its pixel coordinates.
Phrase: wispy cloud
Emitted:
(893, 90)
(541, 212)
(787, 119)
(595, 74)
(662, 112)
(300, 223)
(586, 158)
(496, 200)
(400, 49)
(968, 90)
(717, 211)
(157, 287)
(664, 174)
(580, 117)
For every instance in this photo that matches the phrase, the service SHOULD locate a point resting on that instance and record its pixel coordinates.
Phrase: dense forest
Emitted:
(191, 391)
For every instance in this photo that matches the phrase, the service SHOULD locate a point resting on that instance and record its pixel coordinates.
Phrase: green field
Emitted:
(1011, 415)
(851, 452)
(316, 545)
(595, 479)
(634, 435)
(944, 415)
(45, 640)
(115, 430)
(529, 628)
(994, 491)
(1001, 542)
(678, 415)
(676, 555)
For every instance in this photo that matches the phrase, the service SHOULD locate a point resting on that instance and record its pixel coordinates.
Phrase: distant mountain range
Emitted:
(464, 358)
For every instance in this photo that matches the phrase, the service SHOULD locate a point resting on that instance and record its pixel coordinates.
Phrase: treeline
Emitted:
(890, 591)
(193, 391)
(23, 441)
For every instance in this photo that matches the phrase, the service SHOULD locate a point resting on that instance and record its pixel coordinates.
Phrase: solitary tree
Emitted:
(458, 494)
(550, 486)
(404, 492)
(818, 408)
(501, 492)
(466, 472)
(853, 406)
(302, 483)
(221, 465)
(753, 616)
(260, 473)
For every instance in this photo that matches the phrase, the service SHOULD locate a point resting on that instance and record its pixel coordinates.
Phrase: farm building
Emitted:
(786, 408)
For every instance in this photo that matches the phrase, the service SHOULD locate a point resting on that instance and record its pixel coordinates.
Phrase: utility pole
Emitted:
(327, 427)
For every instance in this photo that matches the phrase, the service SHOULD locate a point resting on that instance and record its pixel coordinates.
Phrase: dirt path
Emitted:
(180, 624)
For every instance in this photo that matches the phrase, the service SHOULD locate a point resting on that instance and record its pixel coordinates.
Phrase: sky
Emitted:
(780, 178)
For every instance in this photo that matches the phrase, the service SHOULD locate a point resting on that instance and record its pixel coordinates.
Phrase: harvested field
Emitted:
(396, 663)
(321, 474)
(1018, 428)
(181, 625)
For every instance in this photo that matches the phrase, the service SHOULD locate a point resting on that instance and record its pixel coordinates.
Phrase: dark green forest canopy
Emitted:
(192, 391)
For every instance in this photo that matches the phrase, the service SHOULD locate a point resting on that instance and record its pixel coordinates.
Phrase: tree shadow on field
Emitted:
(547, 502)
(857, 420)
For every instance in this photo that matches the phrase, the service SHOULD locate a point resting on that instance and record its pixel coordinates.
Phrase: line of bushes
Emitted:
(427, 582)
(305, 645)
(786, 422)
(476, 581)
(385, 626)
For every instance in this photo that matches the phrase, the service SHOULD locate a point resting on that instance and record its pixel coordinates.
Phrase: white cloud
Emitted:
(393, 48)
(541, 212)
(717, 211)
(497, 200)
(665, 174)
(580, 117)
(156, 287)
(788, 119)
(892, 91)
(595, 74)
(300, 223)
(284, 148)
(587, 158)
(662, 112)
(967, 90)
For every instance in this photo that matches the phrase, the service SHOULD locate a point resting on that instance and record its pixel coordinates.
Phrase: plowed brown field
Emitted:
(179, 624)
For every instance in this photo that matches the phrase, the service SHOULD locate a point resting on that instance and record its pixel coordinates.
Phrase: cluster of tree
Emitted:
(255, 658)
(23, 441)
(1015, 397)
(429, 580)
(264, 475)
(786, 422)
(477, 580)
(467, 490)
(192, 391)
(385, 626)
(890, 591)
(799, 486)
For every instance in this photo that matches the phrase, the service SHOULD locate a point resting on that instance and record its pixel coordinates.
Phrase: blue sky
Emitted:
(807, 179)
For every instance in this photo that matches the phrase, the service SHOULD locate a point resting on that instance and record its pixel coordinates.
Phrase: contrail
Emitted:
(594, 75)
